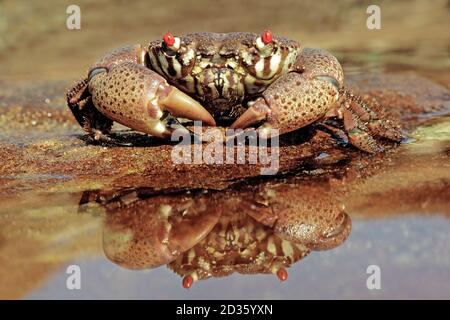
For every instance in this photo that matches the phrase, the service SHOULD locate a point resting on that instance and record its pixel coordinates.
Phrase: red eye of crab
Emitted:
(169, 39)
(267, 37)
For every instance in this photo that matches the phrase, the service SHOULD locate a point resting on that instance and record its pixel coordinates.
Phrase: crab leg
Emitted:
(383, 129)
(362, 124)
(80, 103)
(358, 133)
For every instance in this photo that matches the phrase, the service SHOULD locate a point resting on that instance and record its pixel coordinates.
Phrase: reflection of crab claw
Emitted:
(139, 98)
(156, 231)
(338, 226)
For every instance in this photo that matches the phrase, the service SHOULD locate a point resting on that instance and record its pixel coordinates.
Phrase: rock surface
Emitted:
(43, 149)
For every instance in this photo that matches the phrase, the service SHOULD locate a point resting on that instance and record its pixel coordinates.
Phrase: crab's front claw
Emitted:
(292, 102)
(139, 98)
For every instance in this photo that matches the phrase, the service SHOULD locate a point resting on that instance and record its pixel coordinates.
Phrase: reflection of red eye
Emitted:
(267, 37)
(187, 282)
(169, 39)
(282, 274)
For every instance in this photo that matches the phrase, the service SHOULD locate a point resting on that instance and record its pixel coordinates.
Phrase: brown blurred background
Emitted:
(35, 43)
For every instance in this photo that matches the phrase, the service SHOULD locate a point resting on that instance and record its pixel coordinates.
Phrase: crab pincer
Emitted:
(297, 98)
(141, 99)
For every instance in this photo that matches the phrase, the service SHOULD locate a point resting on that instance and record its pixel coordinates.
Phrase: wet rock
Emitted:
(43, 149)
(406, 95)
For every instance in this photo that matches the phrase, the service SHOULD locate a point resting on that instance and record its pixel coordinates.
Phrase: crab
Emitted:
(215, 234)
(241, 80)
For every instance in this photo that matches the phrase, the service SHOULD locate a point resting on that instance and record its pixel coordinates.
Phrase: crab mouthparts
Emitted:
(222, 82)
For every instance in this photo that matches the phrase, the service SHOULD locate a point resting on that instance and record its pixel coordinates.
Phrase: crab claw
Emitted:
(139, 98)
(256, 112)
(296, 99)
(181, 105)
(290, 103)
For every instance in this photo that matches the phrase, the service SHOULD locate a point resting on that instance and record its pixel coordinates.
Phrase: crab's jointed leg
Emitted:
(80, 103)
(362, 124)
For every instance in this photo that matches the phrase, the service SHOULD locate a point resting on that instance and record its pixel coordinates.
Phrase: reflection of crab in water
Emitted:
(213, 235)
(238, 78)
